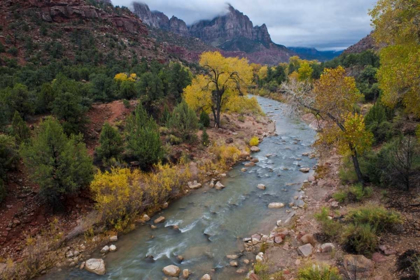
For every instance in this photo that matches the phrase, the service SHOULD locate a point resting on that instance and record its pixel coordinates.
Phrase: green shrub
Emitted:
(205, 138)
(359, 238)
(20, 130)
(204, 119)
(361, 192)
(261, 269)
(340, 196)
(318, 272)
(2, 48)
(13, 51)
(8, 155)
(126, 103)
(2, 191)
(174, 140)
(330, 227)
(377, 217)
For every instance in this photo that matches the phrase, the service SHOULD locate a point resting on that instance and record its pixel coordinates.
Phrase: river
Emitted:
(213, 222)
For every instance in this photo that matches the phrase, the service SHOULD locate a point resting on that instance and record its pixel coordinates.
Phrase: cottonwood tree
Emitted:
(333, 99)
(225, 78)
(397, 27)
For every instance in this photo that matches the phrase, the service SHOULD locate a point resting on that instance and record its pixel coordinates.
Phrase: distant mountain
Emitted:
(367, 43)
(312, 53)
(233, 33)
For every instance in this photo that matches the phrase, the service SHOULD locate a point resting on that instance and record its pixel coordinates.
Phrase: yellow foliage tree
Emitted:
(122, 77)
(334, 99)
(397, 26)
(225, 78)
(262, 73)
(305, 71)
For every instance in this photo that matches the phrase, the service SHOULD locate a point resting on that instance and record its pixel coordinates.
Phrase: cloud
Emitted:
(324, 24)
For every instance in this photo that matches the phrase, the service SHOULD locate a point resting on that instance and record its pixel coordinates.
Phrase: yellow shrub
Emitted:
(226, 155)
(254, 141)
(122, 194)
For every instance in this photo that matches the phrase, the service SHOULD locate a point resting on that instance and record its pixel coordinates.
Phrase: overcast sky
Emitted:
(323, 24)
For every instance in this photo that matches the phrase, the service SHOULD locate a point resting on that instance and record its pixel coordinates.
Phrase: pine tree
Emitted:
(142, 139)
(19, 129)
(205, 137)
(111, 144)
(58, 164)
(183, 121)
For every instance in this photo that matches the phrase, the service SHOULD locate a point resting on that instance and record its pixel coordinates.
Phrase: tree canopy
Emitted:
(225, 78)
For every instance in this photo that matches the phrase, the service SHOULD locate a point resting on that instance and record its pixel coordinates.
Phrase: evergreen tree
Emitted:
(142, 138)
(183, 122)
(205, 137)
(111, 144)
(204, 119)
(179, 78)
(8, 155)
(20, 130)
(58, 164)
(69, 108)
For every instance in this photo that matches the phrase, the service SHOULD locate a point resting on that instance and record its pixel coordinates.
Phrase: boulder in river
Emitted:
(161, 219)
(112, 248)
(233, 263)
(232, 257)
(275, 205)
(171, 270)
(146, 218)
(261, 186)
(249, 164)
(305, 169)
(219, 186)
(186, 273)
(105, 249)
(96, 266)
(206, 277)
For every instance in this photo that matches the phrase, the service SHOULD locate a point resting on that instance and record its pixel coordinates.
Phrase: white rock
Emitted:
(278, 223)
(259, 257)
(194, 185)
(233, 263)
(105, 249)
(275, 205)
(232, 257)
(113, 238)
(306, 250)
(171, 270)
(206, 277)
(219, 186)
(185, 273)
(96, 266)
(327, 247)
(112, 248)
(255, 149)
(261, 186)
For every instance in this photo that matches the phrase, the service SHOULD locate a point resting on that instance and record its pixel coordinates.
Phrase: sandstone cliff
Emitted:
(232, 33)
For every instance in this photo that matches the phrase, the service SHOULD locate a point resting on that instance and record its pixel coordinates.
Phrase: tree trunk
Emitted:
(356, 165)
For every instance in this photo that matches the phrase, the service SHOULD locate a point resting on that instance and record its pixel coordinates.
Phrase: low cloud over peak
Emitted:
(323, 24)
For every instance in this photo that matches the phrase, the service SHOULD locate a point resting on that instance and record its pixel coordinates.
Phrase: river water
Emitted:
(212, 223)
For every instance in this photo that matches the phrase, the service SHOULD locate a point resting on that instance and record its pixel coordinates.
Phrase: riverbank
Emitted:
(63, 247)
(300, 242)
